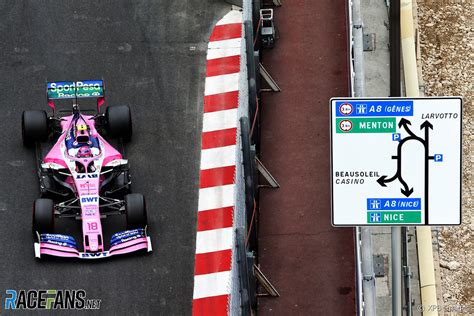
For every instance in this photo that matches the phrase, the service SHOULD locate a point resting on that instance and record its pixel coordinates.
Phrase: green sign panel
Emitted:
(393, 217)
(366, 125)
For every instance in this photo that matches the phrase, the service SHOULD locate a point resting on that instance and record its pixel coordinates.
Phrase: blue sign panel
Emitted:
(394, 204)
(358, 108)
(438, 158)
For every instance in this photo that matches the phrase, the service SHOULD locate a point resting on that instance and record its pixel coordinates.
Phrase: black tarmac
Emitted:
(151, 55)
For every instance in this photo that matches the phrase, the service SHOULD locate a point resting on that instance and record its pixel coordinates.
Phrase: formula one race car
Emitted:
(83, 176)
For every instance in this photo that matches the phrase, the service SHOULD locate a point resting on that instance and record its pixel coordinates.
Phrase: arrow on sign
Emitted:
(406, 190)
(426, 126)
(407, 193)
(398, 175)
(383, 180)
(404, 123)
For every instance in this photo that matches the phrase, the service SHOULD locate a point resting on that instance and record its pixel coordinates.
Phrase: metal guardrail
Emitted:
(407, 274)
(351, 47)
(400, 267)
(249, 168)
(357, 231)
(246, 235)
(243, 271)
(251, 67)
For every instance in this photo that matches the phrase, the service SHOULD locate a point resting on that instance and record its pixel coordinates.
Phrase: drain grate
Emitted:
(369, 42)
(379, 265)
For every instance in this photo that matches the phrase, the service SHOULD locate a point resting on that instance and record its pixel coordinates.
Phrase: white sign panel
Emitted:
(396, 161)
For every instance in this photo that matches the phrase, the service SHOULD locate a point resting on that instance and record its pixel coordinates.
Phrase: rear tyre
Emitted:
(34, 126)
(119, 122)
(135, 210)
(43, 216)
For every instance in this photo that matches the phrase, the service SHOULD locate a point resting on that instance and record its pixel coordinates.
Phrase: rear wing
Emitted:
(59, 90)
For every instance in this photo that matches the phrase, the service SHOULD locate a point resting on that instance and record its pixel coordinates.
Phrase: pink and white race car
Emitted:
(83, 176)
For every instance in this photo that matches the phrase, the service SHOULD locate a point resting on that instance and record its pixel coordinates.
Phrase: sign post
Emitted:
(396, 161)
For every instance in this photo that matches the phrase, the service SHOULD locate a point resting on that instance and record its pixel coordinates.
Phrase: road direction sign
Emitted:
(396, 161)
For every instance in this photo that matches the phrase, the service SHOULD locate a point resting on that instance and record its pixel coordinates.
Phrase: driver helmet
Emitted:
(84, 152)
(82, 133)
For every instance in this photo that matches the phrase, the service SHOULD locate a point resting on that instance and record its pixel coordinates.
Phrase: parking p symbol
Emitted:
(396, 137)
(438, 158)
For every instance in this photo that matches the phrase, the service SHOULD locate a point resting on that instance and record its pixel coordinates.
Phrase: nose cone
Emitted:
(94, 243)
(94, 246)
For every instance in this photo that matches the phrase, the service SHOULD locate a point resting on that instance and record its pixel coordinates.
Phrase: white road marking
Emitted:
(213, 121)
(218, 157)
(221, 84)
(214, 240)
(216, 197)
(212, 284)
(232, 17)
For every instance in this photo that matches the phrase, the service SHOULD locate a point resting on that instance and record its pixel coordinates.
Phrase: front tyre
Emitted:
(43, 216)
(34, 126)
(135, 210)
(119, 122)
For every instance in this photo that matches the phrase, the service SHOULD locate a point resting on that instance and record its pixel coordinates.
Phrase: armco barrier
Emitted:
(248, 165)
(250, 174)
(357, 232)
(241, 255)
(251, 67)
(256, 6)
(243, 296)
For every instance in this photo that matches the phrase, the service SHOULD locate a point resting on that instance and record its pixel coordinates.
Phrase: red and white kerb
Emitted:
(214, 239)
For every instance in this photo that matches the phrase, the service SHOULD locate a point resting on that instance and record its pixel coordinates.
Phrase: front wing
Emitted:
(65, 246)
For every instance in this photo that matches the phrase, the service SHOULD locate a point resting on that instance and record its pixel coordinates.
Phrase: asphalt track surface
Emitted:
(151, 55)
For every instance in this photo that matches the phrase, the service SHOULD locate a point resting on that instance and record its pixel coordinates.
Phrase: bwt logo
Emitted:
(94, 254)
(89, 199)
(90, 175)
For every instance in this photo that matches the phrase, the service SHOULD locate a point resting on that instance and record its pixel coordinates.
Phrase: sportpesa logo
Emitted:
(73, 86)
(75, 89)
(49, 299)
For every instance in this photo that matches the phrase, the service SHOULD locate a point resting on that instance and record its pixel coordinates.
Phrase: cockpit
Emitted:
(80, 142)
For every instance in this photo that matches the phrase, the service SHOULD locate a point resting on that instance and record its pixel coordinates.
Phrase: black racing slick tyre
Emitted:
(135, 209)
(34, 126)
(43, 216)
(119, 122)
